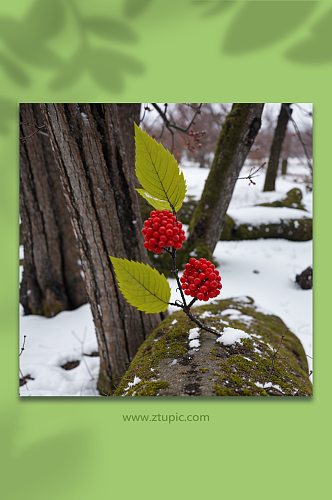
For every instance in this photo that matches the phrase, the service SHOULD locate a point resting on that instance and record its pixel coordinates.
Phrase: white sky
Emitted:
(299, 115)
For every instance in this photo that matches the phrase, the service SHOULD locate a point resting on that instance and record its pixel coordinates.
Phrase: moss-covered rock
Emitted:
(166, 365)
(292, 200)
(288, 229)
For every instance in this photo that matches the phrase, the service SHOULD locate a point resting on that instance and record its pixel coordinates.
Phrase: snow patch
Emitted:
(232, 335)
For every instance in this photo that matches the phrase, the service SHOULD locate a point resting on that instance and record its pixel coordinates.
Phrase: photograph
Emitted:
(165, 249)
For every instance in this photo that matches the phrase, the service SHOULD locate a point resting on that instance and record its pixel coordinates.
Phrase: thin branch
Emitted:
(297, 392)
(273, 359)
(23, 346)
(298, 133)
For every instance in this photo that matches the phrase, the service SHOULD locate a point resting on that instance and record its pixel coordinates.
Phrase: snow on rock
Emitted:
(137, 380)
(265, 215)
(194, 333)
(194, 343)
(232, 335)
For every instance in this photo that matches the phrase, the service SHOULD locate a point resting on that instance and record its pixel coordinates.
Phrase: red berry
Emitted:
(200, 296)
(162, 229)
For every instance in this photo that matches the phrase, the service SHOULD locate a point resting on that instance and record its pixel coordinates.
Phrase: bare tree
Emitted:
(99, 190)
(51, 279)
(276, 146)
(236, 138)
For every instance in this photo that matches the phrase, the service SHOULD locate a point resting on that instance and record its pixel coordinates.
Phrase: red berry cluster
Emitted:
(162, 230)
(200, 279)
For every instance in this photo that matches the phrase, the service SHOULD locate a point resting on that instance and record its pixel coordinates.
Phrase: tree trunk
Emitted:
(236, 138)
(99, 190)
(284, 167)
(128, 115)
(51, 280)
(278, 139)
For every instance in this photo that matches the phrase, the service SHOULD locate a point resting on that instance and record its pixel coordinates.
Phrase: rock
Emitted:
(305, 279)
(288, 229)
(170, 364)
(292, 200)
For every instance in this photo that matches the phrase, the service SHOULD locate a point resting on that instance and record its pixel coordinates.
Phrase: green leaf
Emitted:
(157, 204)
(142, 286)
(158, 172)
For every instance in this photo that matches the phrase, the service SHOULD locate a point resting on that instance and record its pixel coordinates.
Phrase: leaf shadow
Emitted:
(108, 68)
(110, 29)
(216, 8)
(8, 110)
(134, 8)
(316, 49)
(62, 455)
(260, 24)
(27, 39)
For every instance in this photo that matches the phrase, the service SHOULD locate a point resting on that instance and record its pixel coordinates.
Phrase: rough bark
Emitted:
(278, 139)
(99, 190)
(236, 138)
(284, 167)
(128, 115)
(51, 280)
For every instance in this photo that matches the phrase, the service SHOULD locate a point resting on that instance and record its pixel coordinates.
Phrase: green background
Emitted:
(151, 50)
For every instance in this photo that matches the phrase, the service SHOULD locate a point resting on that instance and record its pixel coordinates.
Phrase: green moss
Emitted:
(240, 366)
(292, 200)
(233, 377)
(170, 343)
(228, 230)
(223, 391)
(290, 229)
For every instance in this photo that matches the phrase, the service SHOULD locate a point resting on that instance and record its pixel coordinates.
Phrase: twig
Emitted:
(252, 174)
(297, 392)
(23, 377)
(274, 358)
(298, 133)
(23, 346)
(24, 139)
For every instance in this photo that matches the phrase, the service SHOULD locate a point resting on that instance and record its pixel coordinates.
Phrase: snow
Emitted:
(194, 343)
(232, 335)
(137, 380)
(265, 215)
(194, 333)
(50, 342)
(269, 384)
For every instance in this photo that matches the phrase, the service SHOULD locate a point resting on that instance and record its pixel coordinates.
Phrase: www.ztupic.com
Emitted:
(166, 418)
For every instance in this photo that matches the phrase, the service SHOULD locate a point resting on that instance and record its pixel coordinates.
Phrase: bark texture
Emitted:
(99, 189)
(236, 138)
(278, 139)
(51, 279)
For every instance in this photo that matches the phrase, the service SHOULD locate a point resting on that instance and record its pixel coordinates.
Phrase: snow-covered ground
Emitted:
(263, 269)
